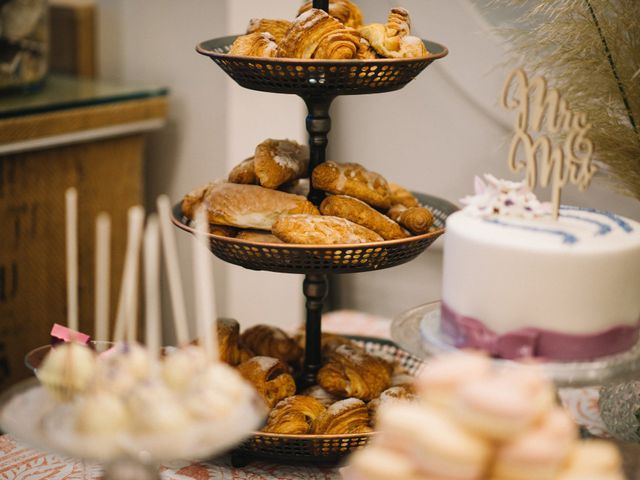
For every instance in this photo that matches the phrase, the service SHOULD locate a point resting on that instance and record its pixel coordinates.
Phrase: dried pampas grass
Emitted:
(590, 51)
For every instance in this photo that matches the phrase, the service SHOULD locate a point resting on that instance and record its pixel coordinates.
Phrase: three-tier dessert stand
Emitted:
(318, 83)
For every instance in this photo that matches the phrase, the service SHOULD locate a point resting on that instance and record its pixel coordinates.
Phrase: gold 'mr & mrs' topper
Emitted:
(543, 112)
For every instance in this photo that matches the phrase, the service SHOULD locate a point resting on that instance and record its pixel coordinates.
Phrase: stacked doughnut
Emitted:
(264, 200)
(476, 423)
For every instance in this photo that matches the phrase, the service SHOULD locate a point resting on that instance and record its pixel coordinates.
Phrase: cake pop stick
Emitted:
(173, 271)
(71, 205)
(152, 287)
(205, 289)
(127, 299)
(103, 260)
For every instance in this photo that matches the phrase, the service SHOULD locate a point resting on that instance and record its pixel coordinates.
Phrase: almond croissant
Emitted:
(316, 34)
(393, 40)
(345, 11)
(258, 44)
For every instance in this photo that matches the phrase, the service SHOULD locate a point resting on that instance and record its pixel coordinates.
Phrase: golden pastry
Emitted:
(271, 341)
(299, 187)
(390, 395)
(393, 40)
(259, 44)
(402, 196)
(228, 340)
(320, 394)
(258, 236)
(223, 231)
(280, 161)
(244, 173)
(417, 220)
(321, 230)
(316, 34)
(344, 417)
(365, 50)
(277, 28)
(294, 415)
(351, 372)
(244, 206)
(354, 180)
(270, 377)
(329, 342)
(344, 11)
(359, 212)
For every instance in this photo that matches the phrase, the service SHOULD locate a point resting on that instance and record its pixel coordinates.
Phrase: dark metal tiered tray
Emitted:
(318, 83)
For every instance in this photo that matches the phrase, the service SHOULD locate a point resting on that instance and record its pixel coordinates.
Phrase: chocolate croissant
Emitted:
(270, 377)
(359, 212)
(354, 180)
(344, 11)
(316, 34)
(417, 220)
(351, 372)
(259, 44)
(280, 161)
(244, 206)
(393, 40)
(277, 28)
(271, 341)
(344, 417)
(294, 415)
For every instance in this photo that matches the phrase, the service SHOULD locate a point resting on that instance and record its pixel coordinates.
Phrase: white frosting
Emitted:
(580, 274)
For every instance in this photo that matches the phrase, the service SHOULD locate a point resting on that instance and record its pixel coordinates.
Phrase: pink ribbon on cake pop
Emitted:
(467, 332)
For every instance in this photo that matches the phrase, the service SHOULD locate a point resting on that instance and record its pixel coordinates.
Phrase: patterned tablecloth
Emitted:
(18, 462)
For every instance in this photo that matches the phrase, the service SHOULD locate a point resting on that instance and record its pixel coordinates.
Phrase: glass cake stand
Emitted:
(418, 331)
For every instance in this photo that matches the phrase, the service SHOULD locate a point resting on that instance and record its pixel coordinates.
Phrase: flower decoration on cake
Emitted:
(495, 196)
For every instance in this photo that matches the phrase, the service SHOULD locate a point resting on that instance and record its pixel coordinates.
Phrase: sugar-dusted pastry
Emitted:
(354, 180)
(390, 395)
(321, 230)
(344, 417)
(270, 377)
(351, 372)
(244, 173)
(277, 28)
(259, 236)
(394, 40)
(280, 161)
(359, 212)
(316, 34)
(402, 196)
(294, 415)
(417, 220)
(320, 394)
(329, 342)
(345, 11)
(244, 206)
(271, 341)
(259, 44)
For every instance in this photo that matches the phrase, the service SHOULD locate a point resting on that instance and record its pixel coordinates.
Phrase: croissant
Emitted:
(417, 220)
(259, 44)
(294, 415)
(280, 161)
(271, 341)
(244, 173)
(277, 28)
(329, 342)
(228, 339)
(351, 372)
(270, 377)
(393, 40)
(344, 417)
(320, 394)
(402, 196)
(316, 34)
(344, 11)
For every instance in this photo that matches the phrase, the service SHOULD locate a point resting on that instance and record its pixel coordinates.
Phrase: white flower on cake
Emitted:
(495, 196)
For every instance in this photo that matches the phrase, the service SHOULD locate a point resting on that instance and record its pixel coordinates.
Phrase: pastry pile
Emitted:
(337, 35)
(352, 384)
(477, 423)
(264, 200)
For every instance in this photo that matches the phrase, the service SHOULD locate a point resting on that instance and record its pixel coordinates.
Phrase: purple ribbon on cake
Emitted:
(467, 332)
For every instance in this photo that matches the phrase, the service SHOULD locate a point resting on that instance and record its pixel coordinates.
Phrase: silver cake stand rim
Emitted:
(417, 331)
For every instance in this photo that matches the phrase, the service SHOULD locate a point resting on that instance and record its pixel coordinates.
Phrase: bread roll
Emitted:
(354, 180)
(402, 196)
(417, 220)
(244, 173)
(280, 161)
(321, 230)
(359, 212)
(258, 236)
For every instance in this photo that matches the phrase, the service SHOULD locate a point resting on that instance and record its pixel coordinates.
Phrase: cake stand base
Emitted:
(418, 331)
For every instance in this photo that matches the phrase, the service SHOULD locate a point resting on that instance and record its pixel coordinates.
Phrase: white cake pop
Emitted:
(181, 365)
(122, 366)
(154, 408)
(101, 413)
(67, 369)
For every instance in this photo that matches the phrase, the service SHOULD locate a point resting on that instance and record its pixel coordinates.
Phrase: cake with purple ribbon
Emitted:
(518, 283)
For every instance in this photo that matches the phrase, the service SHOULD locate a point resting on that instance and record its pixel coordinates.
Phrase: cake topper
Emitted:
(543, 115)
